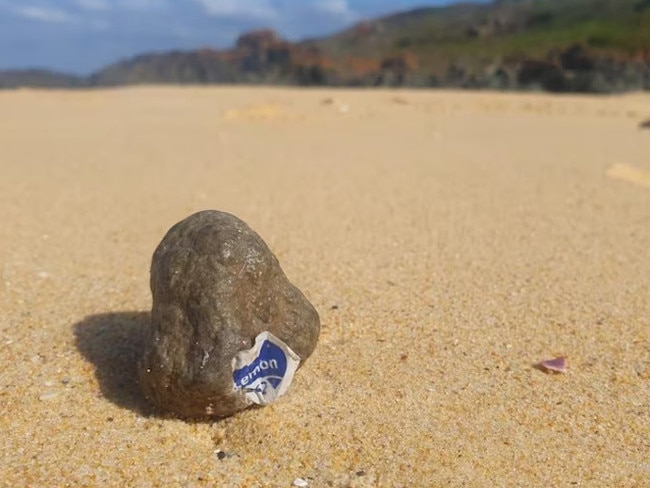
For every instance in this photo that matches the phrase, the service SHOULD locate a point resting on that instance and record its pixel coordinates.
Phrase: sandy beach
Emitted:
(449, 241)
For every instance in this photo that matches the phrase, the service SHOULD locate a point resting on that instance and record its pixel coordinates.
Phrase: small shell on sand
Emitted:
(48, 395)
(555, 365)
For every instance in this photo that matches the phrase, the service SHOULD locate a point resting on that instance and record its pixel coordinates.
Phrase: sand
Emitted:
(449, 240)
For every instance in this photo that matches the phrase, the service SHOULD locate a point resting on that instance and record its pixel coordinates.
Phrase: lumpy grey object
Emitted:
(215, 286)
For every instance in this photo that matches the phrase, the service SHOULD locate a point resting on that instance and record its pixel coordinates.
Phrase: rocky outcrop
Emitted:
(579, 69)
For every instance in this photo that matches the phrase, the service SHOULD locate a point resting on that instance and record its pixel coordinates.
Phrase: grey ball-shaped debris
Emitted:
(215, 286)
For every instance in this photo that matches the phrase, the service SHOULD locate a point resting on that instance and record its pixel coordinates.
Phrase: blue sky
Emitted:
(80, 36)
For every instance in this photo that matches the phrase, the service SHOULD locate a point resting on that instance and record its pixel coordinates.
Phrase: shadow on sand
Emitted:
(114, 343)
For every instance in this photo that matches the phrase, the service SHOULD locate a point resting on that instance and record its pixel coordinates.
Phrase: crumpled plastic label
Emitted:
(264, 373)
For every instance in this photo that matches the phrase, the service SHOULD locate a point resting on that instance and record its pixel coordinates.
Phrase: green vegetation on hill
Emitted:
(39, 78)
(502, 28)
(464, 43)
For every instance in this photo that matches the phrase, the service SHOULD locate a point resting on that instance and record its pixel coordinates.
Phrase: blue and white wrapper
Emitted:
(264, 373)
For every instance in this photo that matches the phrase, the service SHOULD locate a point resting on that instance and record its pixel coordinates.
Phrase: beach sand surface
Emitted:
(450, 241)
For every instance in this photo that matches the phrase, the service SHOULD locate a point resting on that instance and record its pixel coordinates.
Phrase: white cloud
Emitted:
(93, 4)
(44, 14)
(260, 9)
(142, 4)
(338, 8)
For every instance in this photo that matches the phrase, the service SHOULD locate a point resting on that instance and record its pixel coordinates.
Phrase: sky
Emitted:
(82, 36)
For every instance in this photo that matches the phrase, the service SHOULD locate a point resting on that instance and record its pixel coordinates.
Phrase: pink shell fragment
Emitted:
(557, 365)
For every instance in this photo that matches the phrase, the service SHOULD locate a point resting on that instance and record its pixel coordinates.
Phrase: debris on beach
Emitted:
(228, 329)
(630, 174)
(300, 482)
(221, 455)
(644, 124)
(48, 395)
(555, 365)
